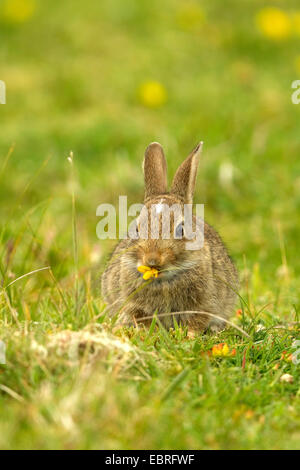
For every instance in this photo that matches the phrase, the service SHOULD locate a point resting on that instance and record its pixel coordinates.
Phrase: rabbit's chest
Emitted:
(168, 297)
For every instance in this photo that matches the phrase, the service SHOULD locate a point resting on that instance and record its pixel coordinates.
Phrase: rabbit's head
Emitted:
(160, 230)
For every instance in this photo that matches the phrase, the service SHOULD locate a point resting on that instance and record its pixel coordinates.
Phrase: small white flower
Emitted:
(39, 349)
(260, 327)
(288, 378)
(282, 271)
(95, 254)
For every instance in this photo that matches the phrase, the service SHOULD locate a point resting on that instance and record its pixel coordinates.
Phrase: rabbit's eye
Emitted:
(179, 232)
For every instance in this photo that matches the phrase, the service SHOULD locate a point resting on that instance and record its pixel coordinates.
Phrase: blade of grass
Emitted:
(74, 233)
(175, 384)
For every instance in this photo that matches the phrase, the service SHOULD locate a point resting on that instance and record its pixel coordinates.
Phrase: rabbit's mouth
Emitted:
(160, 273)
(170, 272)
(154, 272)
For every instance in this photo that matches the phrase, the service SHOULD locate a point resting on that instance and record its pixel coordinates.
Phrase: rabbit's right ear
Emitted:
(155, 171)
(184, 180)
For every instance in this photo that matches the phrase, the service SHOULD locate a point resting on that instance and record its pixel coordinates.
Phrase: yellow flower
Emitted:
(148, 273)
(242, 411)
(286, 357)
(273, 23)
(152, 94)
(222, 349)
(18, 11)
(249, 414)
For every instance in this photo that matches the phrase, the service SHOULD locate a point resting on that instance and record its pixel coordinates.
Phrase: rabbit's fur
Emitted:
(203, 281)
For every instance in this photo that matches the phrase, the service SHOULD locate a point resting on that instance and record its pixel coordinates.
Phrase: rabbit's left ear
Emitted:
(155, 171)
(185, 177)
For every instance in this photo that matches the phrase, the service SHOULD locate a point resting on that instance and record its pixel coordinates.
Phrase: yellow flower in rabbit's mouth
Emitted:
(148, 272)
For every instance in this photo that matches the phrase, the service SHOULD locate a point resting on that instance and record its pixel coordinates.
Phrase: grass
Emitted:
(72, 379)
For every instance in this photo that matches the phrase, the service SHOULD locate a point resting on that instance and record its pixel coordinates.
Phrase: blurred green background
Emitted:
(103, 79)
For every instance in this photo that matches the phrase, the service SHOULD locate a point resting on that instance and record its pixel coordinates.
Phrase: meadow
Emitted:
(100, 81)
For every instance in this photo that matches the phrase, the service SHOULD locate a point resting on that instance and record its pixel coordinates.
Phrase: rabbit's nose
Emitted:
(152, 261)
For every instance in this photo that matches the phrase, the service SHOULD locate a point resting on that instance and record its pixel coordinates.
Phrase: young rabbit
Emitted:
(196, 287)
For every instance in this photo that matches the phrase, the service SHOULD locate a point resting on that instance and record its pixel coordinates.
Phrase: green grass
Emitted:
(72, 378)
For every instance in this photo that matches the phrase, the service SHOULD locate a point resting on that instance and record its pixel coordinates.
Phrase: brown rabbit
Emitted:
(196, 287)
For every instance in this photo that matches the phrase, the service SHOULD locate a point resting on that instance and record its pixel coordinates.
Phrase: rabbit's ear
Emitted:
(155, 171)
(184, 181)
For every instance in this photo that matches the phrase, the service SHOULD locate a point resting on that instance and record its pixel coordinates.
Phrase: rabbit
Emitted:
(197, 288)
